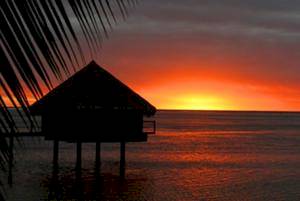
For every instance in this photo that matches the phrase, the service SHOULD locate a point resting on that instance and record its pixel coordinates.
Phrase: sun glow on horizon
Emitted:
(195, 102)
(199, 102)
(218, 95)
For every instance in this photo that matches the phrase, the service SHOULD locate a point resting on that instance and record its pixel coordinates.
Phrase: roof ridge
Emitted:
(89, 73)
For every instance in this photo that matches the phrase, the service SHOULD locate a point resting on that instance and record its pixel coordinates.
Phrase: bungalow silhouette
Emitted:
(93, 106)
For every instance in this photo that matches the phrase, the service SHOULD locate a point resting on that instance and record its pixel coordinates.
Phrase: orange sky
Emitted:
(200, 90)
(194, 89)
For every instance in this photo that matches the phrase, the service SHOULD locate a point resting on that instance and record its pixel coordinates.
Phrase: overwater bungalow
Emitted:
(93, 106)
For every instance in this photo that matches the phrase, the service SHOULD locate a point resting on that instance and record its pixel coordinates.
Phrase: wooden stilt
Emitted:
(78, 159)
(122, 159)
(11, 151)
(11, 160)
(55, 153)
(54, 187)
(98, 155)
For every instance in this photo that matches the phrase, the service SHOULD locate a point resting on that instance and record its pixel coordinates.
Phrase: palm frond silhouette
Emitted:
(41, 45)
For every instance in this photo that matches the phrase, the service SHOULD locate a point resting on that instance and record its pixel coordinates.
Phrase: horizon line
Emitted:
(203, 110)
(220, 110)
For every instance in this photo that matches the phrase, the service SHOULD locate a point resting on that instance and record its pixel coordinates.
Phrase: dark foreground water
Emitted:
(194, 156)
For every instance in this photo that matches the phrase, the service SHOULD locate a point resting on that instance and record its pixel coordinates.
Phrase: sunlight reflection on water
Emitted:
(179, 163)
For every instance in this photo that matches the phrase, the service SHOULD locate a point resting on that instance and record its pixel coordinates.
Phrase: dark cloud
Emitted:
(265, 30)
(279, 20)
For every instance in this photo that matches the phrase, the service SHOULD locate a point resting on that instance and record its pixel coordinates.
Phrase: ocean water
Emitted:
(195, 156)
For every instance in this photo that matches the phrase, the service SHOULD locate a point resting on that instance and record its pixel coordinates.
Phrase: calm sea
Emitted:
(195, 156)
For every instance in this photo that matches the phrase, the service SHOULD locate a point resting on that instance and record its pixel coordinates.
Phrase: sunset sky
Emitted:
(208, 54)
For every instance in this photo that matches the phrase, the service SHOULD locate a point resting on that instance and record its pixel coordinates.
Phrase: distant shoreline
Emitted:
(231, 111)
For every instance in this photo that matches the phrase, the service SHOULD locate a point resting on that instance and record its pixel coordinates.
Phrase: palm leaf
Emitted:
(40, 47)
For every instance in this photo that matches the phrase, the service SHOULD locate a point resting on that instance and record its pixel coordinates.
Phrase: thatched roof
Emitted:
(92, 87)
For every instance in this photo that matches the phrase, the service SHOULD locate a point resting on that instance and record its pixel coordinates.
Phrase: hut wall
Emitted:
(94, 125)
